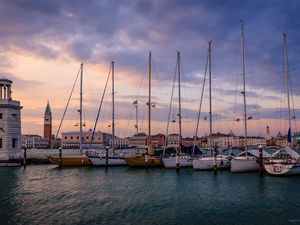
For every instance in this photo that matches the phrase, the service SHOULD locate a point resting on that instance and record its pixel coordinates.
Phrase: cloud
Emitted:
(97, 32)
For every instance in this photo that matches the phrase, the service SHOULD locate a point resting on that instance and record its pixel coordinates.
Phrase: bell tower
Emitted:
(10, 125)
(48, 124)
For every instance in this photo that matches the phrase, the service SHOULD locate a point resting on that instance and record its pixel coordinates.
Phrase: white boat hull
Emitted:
(244, 164)
(3, 164)
(283, 169)
(112, 161)
(207, 163)
(170, 163)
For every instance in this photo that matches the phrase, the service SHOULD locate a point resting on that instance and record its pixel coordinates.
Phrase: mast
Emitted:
(287, 76)
(244, 86)
(210, 105)
(113, 105)
(179, 100)
(200, 106)
(135, 103)
(80, 110)
(149, 106)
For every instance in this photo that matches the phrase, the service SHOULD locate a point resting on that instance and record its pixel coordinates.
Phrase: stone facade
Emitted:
(72, 139)
(10, 124)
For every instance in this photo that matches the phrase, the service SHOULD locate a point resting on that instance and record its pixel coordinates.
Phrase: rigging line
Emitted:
(170, 106)
(130, 114)
(200, 106)
(100, 106)
(56, 136)
(293, 105)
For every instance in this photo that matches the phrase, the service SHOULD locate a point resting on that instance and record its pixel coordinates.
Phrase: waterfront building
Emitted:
(48, 124)
(239, 142)
(158, 140)
(221, 140)
(120, 143)
(188, 142)
(10, 124)
(281, 140)
(71, 139)
(173, 140)
(33, 141)
(138, 141)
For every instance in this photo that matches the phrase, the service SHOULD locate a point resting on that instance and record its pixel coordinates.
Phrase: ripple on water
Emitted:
(48, 195)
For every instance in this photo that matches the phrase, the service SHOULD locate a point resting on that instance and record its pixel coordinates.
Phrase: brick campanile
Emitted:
(48, 124)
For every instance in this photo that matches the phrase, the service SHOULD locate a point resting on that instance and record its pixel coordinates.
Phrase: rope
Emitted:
(56, 136)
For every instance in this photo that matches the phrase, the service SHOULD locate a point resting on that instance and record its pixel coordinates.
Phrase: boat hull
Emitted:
(244, 164)
(111, 161)
(139, 161)
(170, 163)
(280, 169)
(10, 163)
(70, 160)
(207, 163)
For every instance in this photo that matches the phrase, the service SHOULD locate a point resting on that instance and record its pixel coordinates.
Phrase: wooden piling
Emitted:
(261, 169)
(24, 158)
(106, 157)
(177, 160)
(60, 157)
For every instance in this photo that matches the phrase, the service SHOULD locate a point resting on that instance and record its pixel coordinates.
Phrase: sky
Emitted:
(43, 43)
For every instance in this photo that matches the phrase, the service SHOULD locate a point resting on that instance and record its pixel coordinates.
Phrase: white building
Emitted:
(173, 140)
(120, 142)
(138, 140)
(221, 140)
(72, 139)
(30, 141)
(10, 124)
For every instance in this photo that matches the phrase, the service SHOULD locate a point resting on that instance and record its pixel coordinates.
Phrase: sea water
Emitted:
(45, 194)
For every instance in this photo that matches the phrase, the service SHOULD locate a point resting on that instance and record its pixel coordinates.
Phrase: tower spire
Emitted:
(48, 124)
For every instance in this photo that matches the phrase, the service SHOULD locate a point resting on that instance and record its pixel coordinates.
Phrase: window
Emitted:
(71, 137)
(0, 142)
(66, 137)
(14, 143)
(14, 116)
(77, 137)
(0, 116)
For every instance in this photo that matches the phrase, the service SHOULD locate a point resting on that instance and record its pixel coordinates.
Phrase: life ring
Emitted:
(277, 169)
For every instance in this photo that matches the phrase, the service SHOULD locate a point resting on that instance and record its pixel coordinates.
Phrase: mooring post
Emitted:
(177, 160)
(60, 157)
(106, 157)
(215, 159)
(24, 158)
(260, 160)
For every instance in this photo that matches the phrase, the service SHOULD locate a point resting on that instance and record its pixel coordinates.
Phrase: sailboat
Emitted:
(148, 159)
(181, 160)
(285, 161)
(112, 159)
(73, 160)
(246, 161)
(215, 161)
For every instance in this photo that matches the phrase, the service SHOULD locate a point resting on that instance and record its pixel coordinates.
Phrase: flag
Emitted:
(205, 118)
(294, 117)
(173, 121)
(249, 117)
(238, 120)
(289, 138)
(135, 102)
